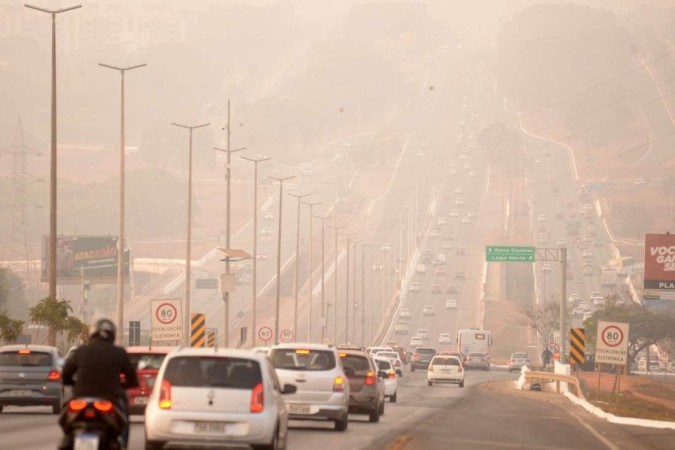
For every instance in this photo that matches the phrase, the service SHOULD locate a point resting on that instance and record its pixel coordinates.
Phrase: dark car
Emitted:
(366, 395)
(421, 358)
(30, 375)
(147, 361)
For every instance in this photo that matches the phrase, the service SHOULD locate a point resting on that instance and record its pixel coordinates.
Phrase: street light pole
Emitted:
(276, 309)
(255, 162)
(335, 276)
(120, 239)
(53, 159)
(188, 253)
(349, 236)
(363, 292)
(311, 248)
(296, 286)
(323, 276)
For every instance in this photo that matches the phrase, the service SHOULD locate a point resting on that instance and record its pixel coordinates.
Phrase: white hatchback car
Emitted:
(225, 397)
(390, 378)
(322, 385)
(445, 369)
(444, 338)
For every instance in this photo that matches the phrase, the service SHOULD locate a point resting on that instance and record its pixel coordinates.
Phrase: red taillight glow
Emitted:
(77, 405)
(391, 375)
(54, 375)
(257, 399)
(165, 395)
(370, 378)
(339, 384)
(103, 406)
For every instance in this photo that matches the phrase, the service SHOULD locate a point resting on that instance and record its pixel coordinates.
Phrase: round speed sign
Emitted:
(166, 313)
(612, 336)
(286, 336)
(265, 333)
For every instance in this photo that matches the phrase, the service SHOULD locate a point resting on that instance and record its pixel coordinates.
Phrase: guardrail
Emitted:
(558, 378)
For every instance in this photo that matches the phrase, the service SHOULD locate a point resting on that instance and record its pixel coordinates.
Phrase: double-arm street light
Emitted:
(188, 252)
(323, 276)
(120, 239)
(297, 266)
(255, 162)
(278, 296)
(52, 168)
(335, 276)
(311, 260)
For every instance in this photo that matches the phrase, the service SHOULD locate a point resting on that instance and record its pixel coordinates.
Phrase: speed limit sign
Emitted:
(265, 333)
(166, 320)
(612, 343)
(286, 336)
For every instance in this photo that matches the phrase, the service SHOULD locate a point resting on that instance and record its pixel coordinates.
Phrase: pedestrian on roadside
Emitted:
(546, 357)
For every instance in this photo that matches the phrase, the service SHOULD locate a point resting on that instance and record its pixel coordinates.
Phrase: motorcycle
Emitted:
(91, 423)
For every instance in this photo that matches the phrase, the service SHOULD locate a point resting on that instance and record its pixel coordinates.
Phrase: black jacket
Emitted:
(94, 370)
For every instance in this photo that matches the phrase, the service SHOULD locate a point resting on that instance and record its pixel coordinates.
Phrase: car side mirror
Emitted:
(399, 372)
(349, 372)
(289, 389)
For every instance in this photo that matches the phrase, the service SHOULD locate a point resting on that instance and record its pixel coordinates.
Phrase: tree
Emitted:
(52, 313)
(10, 329)
(544, 319)
(646, 326)
(76, 329)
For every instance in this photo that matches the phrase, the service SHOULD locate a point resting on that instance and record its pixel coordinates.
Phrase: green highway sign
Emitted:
(494, 253)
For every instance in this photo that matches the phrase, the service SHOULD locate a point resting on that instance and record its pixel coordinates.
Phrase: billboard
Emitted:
(94, 257)
(659, 262)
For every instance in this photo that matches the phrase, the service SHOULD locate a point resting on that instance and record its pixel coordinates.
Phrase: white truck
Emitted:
(608, 277)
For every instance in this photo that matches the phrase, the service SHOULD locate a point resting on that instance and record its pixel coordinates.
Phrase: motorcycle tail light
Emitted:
(103, 406)
(77, 405)
(257, 399)
(165, 395)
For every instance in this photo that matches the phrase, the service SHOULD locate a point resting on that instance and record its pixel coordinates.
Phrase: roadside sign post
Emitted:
(166, 320)
(286, 335)
(265, 334)
(611, 347)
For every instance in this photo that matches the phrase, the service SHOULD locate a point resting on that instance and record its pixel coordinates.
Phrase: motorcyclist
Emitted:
(101, 369)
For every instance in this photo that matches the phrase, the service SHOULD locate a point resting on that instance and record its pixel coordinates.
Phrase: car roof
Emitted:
(158, 350)
(217, 352)
(39, 348)
(305, 345)
(351, 352)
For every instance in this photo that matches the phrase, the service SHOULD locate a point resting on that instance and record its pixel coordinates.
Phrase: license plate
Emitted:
(86, 441)
(210, 427)
(21, 392)
(299, 409)
(141, 401)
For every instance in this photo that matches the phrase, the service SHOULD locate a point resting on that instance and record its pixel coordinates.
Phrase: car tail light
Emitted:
(370, 378)
(54, 375)
(165, 395)
(103, 406)
(339, 384)
(461, 368)
(257, 399)
(77, 405)
(391, 375)
(431, 368)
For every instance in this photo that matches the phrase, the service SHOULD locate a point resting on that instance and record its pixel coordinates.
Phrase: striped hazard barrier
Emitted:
(198, 330)
(211, 337)
(577, 346)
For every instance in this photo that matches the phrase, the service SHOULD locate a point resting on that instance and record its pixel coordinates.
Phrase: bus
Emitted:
(474, 340)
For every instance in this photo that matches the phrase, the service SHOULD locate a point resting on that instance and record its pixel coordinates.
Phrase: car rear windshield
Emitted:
(302, 359)
(387, 355)
(445, 362)
(25, 358)
(383, 364)
(358, 363)
(199, 371)
(426, 351)
(146, 361)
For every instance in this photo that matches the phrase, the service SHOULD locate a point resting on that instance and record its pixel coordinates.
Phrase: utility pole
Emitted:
(335, 276)
(188, 252)
(563, 304)
(323, 276)
(311, 245)
(53, 158)
(276, 309)
(228, 230)
(349, 236)
(296, 286)
(120, 238)
(363, 292)
(255, 162)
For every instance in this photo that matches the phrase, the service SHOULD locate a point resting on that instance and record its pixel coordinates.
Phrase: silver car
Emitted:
(323, 387)
(30, 375)
(518, 360)
(216, 398)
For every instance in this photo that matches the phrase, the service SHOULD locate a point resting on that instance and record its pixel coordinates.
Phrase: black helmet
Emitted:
(104, 329)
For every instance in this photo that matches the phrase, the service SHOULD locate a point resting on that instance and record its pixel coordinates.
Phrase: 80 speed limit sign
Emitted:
(612, 343)
(167, 321)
